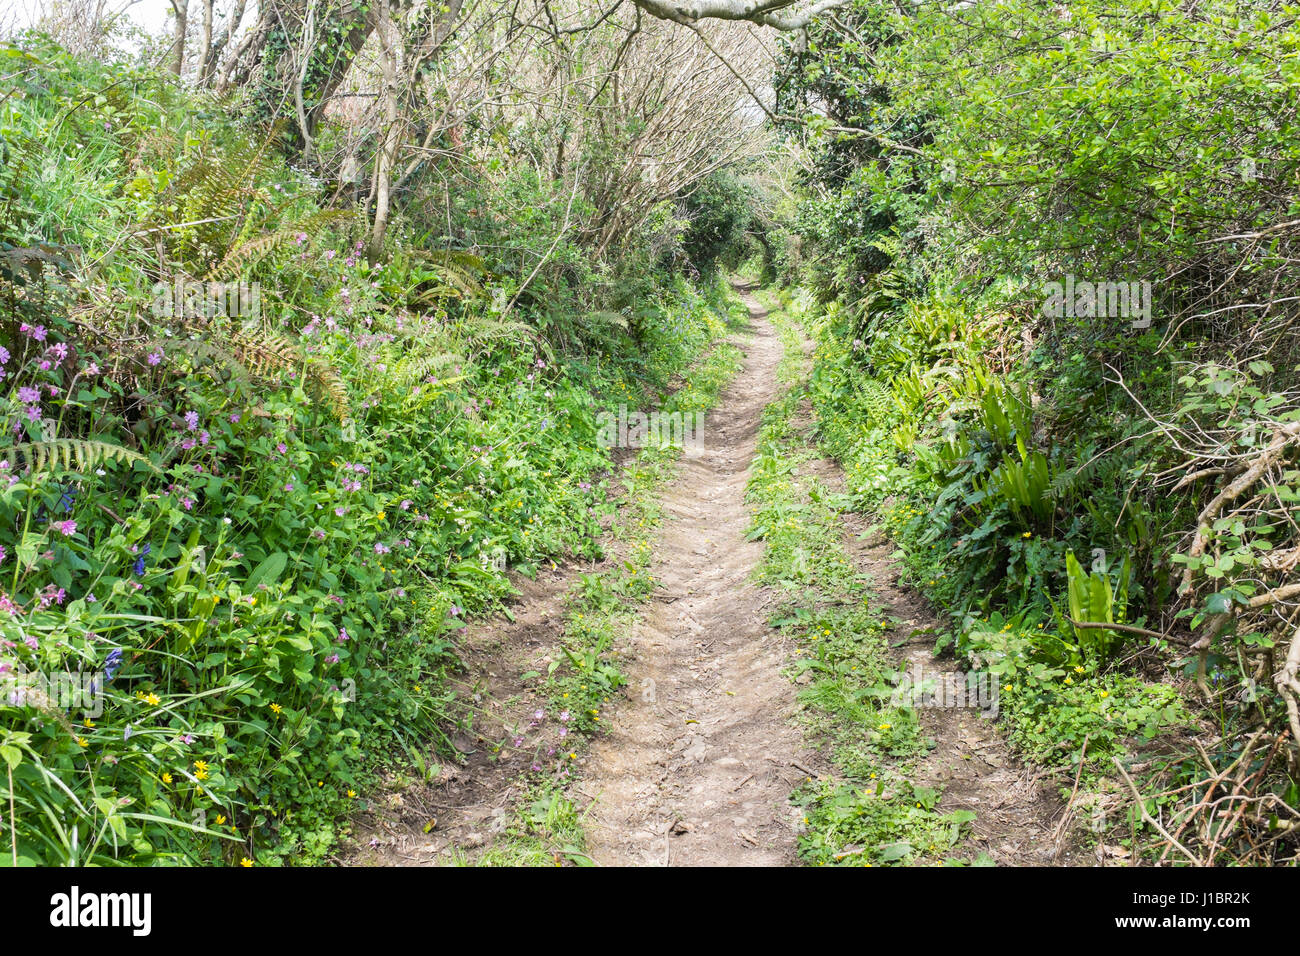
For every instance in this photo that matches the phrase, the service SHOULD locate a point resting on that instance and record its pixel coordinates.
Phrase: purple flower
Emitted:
(343, 635)
(155, 358)
(381, 548)
(28, 395)
(68, 528)
(192, 421)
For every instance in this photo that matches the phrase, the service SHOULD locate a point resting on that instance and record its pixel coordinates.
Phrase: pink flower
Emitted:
(68, 528)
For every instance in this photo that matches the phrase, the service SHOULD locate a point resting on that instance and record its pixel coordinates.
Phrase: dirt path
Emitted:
(698, 767)
(698, 763)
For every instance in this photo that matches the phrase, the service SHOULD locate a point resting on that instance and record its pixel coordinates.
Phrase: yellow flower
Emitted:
(245, 862)
(153, 700)
(276, 708)
(220, 819)
(1069, 680)
(166, 777)
(88, 723)
(82, 742)
(1078, 668)
(200, 775)
(201, 765)
(1105, 693)
(885, 726)
(351, 794)
(1027, 534)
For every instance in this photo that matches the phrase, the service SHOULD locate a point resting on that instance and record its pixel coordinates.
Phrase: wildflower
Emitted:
(28, 395)
(220, 819)
(155, 358)
(152, 699)
(351, 794)
(276, 708)
(201, 766)
(166, 777)
(112, 662)
(82, 742)
(245, 861)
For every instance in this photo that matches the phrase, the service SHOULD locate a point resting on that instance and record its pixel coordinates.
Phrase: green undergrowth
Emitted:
(869, 812)
(259, 525)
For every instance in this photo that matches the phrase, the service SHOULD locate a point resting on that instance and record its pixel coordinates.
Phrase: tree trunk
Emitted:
(181, 8)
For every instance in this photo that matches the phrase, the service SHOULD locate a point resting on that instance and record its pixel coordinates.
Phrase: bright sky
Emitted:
(152, 15)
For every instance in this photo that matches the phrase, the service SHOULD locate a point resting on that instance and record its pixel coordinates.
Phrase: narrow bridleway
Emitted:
(698, 766)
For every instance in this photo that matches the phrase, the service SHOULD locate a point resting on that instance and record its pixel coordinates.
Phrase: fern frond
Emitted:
(243, 254)
(414, 368)
(266, 351)
(73, 454)
(458, 272)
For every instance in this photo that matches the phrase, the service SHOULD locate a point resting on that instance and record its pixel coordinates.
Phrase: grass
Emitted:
(868, 812)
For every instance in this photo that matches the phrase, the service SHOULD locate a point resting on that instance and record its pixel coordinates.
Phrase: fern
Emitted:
(458, 273)
(266, 351)
(72, 454)
(244, 254)
(414, 368)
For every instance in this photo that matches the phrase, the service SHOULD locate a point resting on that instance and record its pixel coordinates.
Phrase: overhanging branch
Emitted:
(770, 13)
